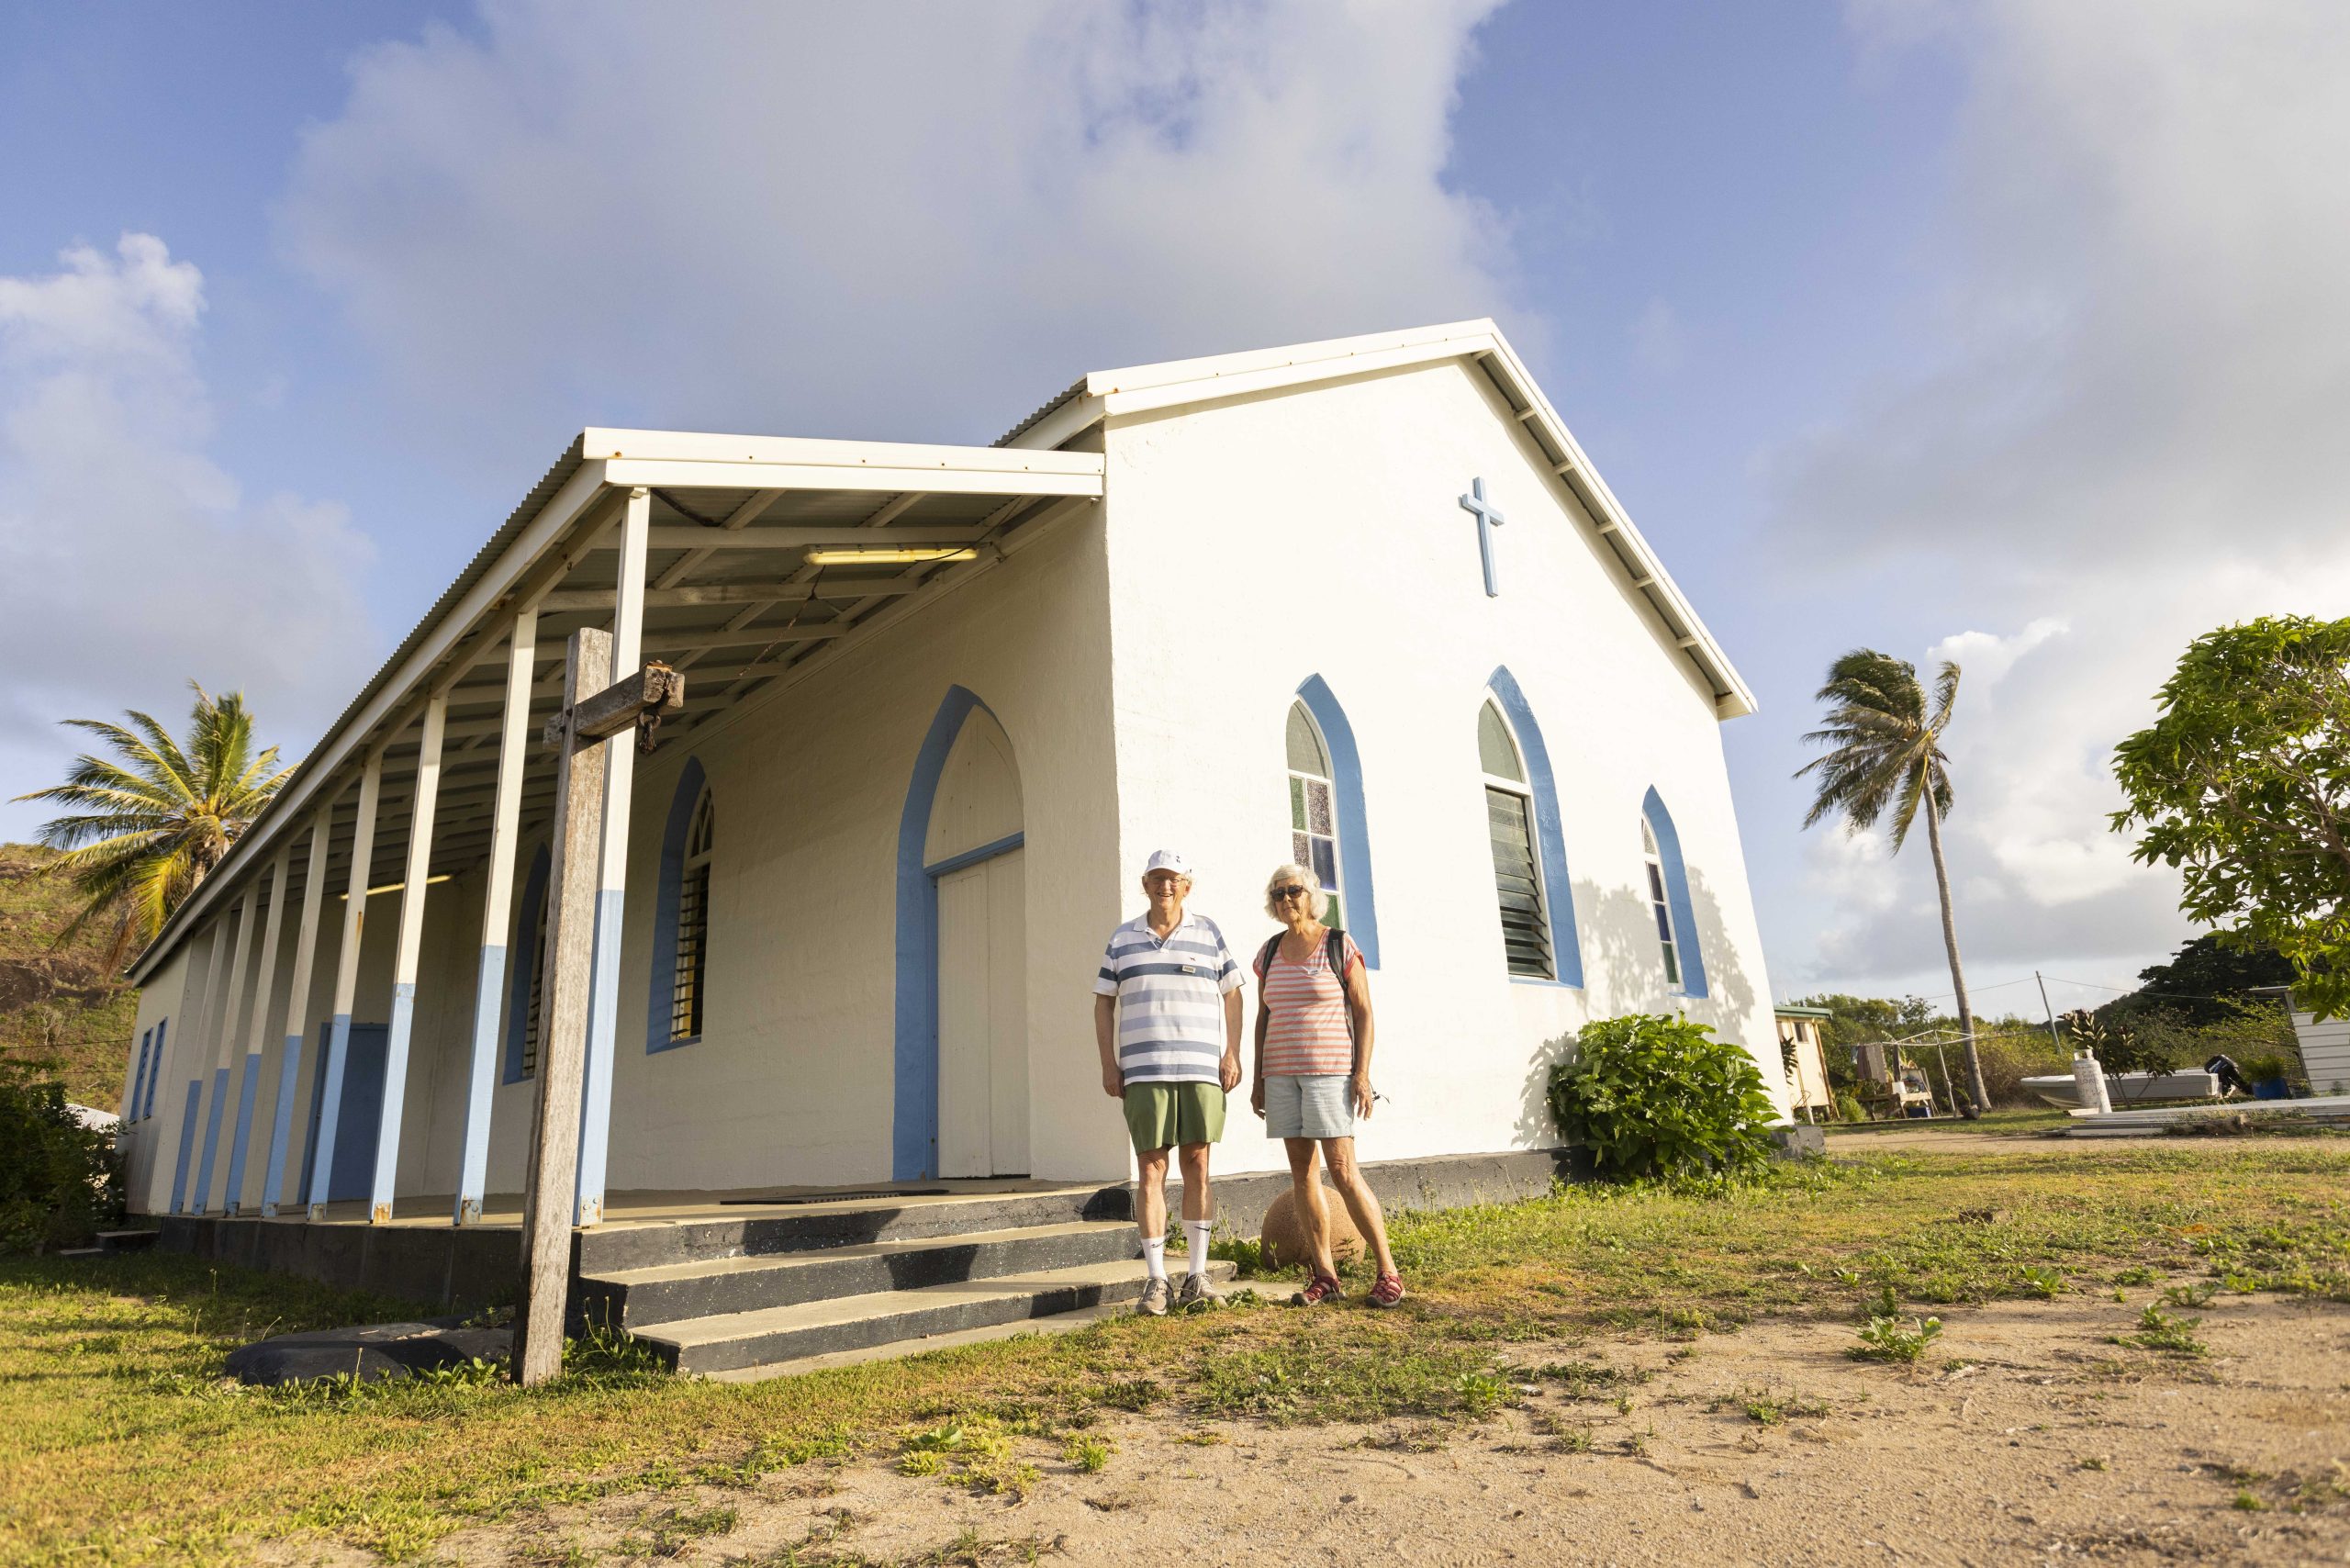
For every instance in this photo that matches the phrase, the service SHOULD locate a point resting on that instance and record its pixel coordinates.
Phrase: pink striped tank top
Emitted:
(1307, 1032)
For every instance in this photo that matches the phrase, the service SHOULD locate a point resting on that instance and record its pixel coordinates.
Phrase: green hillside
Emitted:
(58, 1003)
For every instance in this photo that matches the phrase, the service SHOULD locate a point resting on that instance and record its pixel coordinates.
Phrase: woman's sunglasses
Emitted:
(1290, 891)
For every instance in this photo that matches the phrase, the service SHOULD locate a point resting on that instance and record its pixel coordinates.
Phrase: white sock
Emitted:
(1154, 1256)
(1195, 1237)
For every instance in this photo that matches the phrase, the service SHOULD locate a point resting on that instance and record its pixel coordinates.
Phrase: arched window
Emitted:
(1312, 809)
(1667, 884)
(1518, 870)
(1660, 904)
(693, 928)
(676, 998)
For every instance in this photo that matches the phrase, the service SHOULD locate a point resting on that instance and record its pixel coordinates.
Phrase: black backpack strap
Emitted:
(1265, 957)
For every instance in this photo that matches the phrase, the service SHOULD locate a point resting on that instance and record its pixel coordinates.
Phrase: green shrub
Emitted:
(60, 1182)
(1849, 1107)
(1655, 1096)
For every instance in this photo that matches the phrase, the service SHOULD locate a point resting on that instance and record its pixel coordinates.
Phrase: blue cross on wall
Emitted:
(1487, 521)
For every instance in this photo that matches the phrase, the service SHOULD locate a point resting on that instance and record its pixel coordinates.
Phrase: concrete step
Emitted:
(802, 1227)
(738, 1342)
(127, 1240)
(710, 1287)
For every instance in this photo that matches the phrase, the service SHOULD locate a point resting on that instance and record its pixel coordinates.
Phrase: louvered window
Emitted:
(693, 927)
(1518, 874)
(535, 1015)
(1661, 904)
(1313, 817)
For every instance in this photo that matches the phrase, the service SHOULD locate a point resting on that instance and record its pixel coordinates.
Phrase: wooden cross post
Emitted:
(635, 703)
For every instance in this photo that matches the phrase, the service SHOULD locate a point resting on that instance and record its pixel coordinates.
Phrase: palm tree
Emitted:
(1887, 756)
(150, 824)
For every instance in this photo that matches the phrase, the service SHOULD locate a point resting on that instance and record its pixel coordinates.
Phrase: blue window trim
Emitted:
(661, 987)
(913, 1117)
(1354, 827)
(139, 1083)
(527, 959)
(1685, 945)
(156, 1075)
(1557, 893)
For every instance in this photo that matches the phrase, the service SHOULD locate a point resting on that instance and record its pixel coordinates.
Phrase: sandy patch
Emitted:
(2052, 1443)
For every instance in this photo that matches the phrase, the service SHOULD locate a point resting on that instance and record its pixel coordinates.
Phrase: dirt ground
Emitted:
(2025, 1435)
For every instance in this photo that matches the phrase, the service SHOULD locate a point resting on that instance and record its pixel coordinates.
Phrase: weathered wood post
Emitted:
(572, 896)
(415, 883)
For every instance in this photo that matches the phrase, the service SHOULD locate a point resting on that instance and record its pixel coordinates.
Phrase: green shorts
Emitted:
(1160, 1115)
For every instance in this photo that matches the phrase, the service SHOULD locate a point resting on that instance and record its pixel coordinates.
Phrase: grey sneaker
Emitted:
(1195, 1291)
(1155, 1296)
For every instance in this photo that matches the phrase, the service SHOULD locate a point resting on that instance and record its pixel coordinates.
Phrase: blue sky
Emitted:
(1999, 331)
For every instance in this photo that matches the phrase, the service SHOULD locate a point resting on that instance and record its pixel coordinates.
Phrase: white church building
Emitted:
(1364, 604)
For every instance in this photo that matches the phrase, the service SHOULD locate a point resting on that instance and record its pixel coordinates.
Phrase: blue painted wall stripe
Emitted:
(1361, 910)
(281, 1124)
(660, 988)
(914, 1116)
(187, 1144)
(247, 1090)
(388, 1118)
(1557, 893)
(596, 1092)
(1685, 945)
(526, 965)
(330, 1089)
(155, 1077)
(201, 1199)
(1004, 846)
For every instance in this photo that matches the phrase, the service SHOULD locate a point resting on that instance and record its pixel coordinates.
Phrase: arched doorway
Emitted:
(972, 859)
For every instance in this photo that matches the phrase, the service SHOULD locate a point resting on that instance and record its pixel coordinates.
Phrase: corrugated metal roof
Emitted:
(266, 826)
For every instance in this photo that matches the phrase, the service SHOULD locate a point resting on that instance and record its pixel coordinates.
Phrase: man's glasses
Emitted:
(1285, 893)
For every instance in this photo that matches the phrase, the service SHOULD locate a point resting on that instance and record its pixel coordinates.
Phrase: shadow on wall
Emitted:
(1624, 972)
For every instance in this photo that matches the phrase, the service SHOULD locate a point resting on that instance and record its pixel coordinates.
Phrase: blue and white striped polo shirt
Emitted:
(1170, 998)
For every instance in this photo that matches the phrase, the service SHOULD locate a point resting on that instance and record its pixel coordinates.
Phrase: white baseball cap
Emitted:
(1167, 860)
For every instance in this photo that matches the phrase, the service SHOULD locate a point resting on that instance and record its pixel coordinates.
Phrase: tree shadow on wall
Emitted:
(1623, 971)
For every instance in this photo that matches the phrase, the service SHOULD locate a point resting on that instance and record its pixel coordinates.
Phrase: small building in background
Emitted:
(2325, 1052)
(1808, 1086)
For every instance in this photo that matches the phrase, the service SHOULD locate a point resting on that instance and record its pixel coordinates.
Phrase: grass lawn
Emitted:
(119, 1442)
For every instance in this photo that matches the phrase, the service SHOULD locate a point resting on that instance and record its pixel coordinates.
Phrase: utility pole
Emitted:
(2055, 1037)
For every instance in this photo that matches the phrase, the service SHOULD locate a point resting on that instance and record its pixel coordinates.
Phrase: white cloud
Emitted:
(131, 561)
(2125, 432)
(879, 219)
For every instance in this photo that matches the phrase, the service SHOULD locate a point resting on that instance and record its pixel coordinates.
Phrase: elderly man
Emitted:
(1164, 981)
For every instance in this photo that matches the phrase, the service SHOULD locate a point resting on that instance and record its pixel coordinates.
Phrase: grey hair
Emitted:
(1317, 900)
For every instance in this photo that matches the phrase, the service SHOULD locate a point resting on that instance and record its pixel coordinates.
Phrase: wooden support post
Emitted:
(619, 773)
(193, 1035)
(256, 1027)
(547, 1194)
(296, 1021)
(413, 891)
(497, 917)
(346, 984)
(223, 1042)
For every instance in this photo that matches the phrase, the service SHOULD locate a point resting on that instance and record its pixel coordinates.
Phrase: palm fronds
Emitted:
(145, 826)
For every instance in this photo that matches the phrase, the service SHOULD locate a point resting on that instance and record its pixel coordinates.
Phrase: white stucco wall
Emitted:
(1261, 541)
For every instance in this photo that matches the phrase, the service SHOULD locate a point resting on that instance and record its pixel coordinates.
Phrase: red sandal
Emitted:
(1322, 1288)
(1388, 1291)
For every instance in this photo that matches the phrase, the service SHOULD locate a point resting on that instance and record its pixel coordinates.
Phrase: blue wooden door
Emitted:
(354, 1175)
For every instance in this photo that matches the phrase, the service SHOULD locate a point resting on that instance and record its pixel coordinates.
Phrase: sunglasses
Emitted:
(1292, 890)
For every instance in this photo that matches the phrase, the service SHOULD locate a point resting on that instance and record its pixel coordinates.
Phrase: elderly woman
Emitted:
(1313, 1075)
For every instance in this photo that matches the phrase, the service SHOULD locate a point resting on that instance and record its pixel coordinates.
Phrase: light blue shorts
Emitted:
(1319, 1104)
